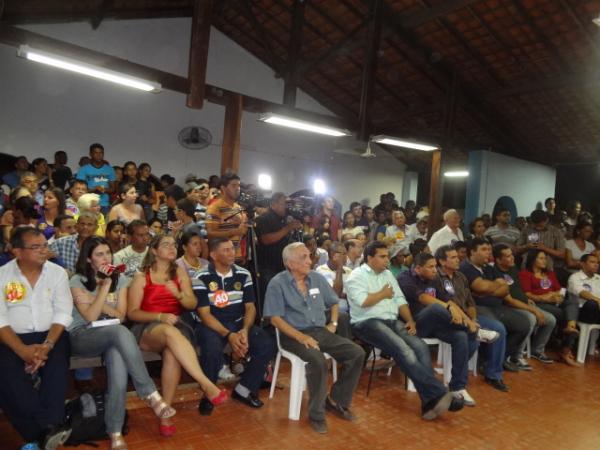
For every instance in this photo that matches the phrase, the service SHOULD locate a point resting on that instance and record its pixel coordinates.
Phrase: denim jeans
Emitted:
(517, 326)
(261, 350)
(493, 354)
(410, 353)
(434, 321)
(122, 356)
(540, 334)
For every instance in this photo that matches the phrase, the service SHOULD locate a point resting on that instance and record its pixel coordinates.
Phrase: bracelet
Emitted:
(227, 335)
(50, 344)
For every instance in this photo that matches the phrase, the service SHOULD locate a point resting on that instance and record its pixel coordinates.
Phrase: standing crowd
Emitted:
(113, 261)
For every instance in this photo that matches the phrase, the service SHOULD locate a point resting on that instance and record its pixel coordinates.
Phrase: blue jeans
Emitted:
(410, 353)
(261, 350)
(540, 334)
(435, 321)
(122, 356)
(493, 353)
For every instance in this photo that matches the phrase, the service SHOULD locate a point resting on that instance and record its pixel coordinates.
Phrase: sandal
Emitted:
(161, 409)
(117, 442)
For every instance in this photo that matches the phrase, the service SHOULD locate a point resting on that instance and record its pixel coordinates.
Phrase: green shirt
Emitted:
(364, 281)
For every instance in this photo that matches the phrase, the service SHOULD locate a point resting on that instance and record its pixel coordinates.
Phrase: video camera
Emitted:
(299, 207)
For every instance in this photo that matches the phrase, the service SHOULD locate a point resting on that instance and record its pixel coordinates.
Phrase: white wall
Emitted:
(43, 110)
(492, 175)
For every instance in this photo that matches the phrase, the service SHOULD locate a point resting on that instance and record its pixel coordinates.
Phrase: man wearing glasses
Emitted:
(34, 350)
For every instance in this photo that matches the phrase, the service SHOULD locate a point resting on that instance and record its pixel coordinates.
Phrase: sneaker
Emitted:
(522, 364)
(487, 336)
(542, 357)
(467, 399)
(225, 373)
(320, 426)
(497, 384)
(510, 366)
(56, 437)
(437, 407)
(456, 404)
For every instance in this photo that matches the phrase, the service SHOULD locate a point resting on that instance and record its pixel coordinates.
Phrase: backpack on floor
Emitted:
(85, 416)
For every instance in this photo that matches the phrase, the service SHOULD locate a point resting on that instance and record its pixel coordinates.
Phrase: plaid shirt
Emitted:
(67, 250)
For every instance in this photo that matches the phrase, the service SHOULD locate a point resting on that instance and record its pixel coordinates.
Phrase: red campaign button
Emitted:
(221, 299)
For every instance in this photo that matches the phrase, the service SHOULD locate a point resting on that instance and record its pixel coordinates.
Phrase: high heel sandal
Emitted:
(117, 442)
(161, 409)
(221, 398)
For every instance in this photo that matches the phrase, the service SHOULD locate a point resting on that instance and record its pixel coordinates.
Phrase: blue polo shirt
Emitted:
(283, 299)
(225, 294)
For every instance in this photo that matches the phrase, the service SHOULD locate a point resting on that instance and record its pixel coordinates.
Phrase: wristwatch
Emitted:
(50, 344)
(334, 324)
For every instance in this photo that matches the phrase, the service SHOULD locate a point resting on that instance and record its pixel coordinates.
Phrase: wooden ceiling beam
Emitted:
(418, 18)
(294, 53)
(198, 59)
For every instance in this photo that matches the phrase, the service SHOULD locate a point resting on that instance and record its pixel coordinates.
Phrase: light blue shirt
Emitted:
(97, 176)
(364, 281)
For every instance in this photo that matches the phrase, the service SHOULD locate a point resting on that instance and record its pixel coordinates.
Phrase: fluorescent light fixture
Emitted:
(265, 181)
(302, 125)
(319, 187)
(456, 174)
(73, 65)
(382, 139)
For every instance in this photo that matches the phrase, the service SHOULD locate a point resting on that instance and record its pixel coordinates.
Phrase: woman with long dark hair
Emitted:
(54, 206)
(127, 210)
(541, 286)
(158, 295)
(99, 294)
(190, 249)
(115, 233)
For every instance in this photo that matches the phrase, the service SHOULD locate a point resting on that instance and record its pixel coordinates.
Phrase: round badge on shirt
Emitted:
(221, 299)
(545, 283)
(14, 292)
(533, 238)
(509, 280)
(449, 287)
(430, 291)
(587, 287)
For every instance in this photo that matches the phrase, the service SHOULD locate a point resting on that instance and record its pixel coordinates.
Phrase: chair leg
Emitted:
(298, 379)
(592, 342)
(275, 373)
(584, 336)
(446, 350)
(334, 369)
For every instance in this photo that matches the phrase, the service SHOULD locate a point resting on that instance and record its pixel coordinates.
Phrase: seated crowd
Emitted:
(113, 262)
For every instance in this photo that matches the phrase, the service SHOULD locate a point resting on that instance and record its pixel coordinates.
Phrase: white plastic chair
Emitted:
(429, 341)
(588, 335)
(297, 377)
(445, 360)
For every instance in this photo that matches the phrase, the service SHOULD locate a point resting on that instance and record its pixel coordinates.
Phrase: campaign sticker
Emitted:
(449, 287)
(221, 299)
(545, 283)
(213, 286)
(14, 292)
(533, 238)
(430, 291)
(587, 287)
(509, 280)
(237, 285)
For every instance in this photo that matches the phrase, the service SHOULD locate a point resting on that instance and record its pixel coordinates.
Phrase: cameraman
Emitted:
(273, 232)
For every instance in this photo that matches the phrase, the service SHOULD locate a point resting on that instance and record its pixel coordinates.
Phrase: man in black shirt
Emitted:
(273, 233)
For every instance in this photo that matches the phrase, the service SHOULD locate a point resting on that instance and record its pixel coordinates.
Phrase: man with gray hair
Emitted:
(449, 234)
(295, 301)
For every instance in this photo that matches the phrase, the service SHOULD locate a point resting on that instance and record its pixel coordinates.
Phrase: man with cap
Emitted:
(398, 252)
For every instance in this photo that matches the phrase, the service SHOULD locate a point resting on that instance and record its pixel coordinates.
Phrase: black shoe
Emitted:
(205, 407)
(510, 366)
(55, 437)
(456, 404)
(320, 426)
(339, 410)
(542, 357)
(437, 407)
(497, 384)
(252, 400)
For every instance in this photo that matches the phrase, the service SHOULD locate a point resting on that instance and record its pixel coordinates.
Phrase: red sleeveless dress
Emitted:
(158, 298)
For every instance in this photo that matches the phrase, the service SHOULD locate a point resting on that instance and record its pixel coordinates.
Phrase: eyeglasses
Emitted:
(36, 247)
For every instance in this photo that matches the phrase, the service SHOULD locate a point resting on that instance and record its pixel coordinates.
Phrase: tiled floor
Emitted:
(553, 407)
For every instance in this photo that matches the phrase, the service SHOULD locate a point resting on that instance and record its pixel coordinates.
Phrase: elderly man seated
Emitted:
(295, 301)
(449, 234)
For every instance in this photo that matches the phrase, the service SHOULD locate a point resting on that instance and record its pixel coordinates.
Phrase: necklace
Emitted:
(192, 265)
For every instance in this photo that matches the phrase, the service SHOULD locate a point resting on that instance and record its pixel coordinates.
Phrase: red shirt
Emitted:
(538, 286)
(334, 224)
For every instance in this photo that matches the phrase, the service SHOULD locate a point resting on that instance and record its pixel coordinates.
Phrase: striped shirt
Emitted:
(227, 217)
(224, 294)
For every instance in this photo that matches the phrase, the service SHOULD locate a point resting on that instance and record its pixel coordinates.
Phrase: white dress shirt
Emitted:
(444, 236)
(579, 281)
(29, 309)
